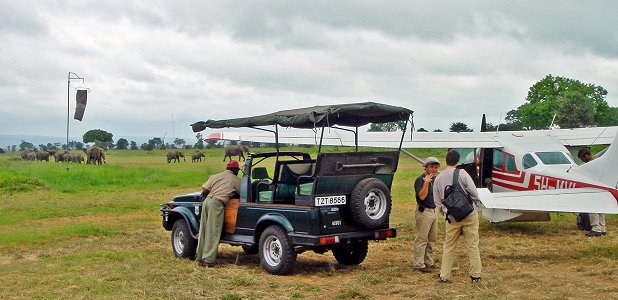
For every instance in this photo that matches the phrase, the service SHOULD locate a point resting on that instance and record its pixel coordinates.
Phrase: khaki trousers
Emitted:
(597, 221)
(426, 236)
(211, 225)
(469, 228)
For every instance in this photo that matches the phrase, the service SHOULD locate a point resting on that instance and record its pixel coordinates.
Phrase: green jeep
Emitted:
(336, 201)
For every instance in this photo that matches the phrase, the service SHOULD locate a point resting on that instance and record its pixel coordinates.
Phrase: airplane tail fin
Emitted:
(604, 168)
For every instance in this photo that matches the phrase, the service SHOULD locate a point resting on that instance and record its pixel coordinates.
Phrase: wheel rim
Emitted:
(375, 204)
(272, 251)
(179, 241)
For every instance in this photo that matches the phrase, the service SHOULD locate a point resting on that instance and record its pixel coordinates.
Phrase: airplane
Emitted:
(522, 176)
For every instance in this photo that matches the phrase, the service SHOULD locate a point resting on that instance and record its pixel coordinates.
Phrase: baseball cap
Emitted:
(232, 164)
(431, 160)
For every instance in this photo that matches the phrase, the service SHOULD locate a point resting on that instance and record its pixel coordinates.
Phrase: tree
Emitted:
(26, 146)
(147, 146)
(157, 143)
(437, 130)
(122, 144)
(421, 130)
(200, 142)
(387, 127)
(459, 127)
(91, 136)
(549, 96)
(43, 147)
(133, 145)
(180, 143)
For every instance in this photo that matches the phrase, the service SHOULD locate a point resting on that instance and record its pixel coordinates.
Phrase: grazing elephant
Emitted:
(73, 157)
(58, 156)
(95, 155)
(236, 151)
(197, 157)
(28, 155)
(42, 155)
(175, 156)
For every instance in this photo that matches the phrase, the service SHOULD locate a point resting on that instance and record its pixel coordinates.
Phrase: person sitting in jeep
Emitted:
(217, 191)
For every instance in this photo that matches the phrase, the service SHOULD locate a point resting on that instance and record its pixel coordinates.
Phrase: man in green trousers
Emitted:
(218, 190)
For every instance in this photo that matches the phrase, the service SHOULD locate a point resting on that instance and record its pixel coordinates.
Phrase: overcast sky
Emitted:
(146, 61)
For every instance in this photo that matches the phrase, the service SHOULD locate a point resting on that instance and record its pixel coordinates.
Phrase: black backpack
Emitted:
(456, 200)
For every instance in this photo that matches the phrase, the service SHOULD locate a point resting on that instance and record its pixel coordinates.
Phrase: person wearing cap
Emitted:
(426, 218)
(597, 221)
(217, 191)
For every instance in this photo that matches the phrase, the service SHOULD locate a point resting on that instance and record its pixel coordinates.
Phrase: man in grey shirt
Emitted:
(468, 227)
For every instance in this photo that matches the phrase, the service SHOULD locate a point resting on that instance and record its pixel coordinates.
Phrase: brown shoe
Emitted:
(204, 264)
(424, 270)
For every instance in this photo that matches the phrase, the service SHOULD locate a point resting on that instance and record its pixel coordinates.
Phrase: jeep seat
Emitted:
(260, 187)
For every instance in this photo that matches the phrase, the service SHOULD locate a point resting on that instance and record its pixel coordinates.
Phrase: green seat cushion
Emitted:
(265, 195)
(285, 191)
(306, 188)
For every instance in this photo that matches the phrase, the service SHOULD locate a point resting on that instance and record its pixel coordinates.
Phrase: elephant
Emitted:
(42, 155)
(175, 156)
(237, 150)
(73, 157)
(197, 157)
(58, 156)
(28, 155)
(95, 155)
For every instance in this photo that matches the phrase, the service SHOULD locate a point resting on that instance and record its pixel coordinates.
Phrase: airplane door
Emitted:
(486, 161)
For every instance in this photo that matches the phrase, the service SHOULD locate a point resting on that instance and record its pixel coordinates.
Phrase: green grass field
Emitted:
(95, 232)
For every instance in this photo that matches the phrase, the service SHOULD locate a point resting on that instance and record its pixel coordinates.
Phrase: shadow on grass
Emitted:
(521, 228)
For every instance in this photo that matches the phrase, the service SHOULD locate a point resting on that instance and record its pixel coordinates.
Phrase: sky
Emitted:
(155, 67)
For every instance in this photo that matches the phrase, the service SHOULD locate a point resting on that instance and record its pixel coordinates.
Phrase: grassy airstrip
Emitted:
(95, 232)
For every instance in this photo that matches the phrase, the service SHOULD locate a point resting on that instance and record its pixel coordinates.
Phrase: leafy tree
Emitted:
(122, 144)
(91, 136)
(2, 150)
(200, 142)
(13, 148)
(133, 145)
(43, 147)
(387, 127)
(421, 130)
(211, 144)
(437, 130)
(180, 143)
(459, 127)
(147, 146)
(550, 96)
(26, 146)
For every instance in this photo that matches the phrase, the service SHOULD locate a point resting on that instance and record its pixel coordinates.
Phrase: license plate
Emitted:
(330, 200)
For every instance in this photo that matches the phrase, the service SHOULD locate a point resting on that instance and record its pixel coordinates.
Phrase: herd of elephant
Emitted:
(94, 155)
(238, 150)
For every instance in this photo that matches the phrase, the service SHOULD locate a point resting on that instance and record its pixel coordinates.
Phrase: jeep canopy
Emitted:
(354, 115)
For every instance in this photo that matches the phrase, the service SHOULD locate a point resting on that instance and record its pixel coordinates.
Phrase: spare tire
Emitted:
(370, 204)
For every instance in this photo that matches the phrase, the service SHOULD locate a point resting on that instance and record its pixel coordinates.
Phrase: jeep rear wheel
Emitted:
(351, 254)
(370, 204)
(276, 253)
(183, 243)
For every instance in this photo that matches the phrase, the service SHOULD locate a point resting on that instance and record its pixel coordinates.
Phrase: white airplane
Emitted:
(530, 173)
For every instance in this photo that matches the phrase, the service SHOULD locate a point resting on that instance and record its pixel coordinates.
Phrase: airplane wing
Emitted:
(579, 200)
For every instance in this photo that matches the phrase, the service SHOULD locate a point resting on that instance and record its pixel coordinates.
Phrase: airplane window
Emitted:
(510, 163)
(529, 161)
(553, 158)
(498, 159)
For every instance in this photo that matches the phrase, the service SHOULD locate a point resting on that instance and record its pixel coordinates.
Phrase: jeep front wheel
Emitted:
(370, 204)
(276, 253)
(351, 254)
(183, 243)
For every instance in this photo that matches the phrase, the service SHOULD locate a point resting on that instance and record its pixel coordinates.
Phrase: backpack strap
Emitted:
(456, 178)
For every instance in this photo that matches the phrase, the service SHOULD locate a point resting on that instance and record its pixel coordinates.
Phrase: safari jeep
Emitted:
(290, 202)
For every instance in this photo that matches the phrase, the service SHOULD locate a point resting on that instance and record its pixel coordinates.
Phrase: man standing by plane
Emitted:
(468, 227)
(597, 221)
(426, 219)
